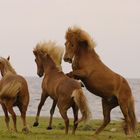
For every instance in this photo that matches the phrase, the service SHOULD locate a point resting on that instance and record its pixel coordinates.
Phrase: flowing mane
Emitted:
(7, 65)
(81, 35)
(51, 48)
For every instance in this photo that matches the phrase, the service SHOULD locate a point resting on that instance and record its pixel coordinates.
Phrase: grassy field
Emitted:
(84, 132)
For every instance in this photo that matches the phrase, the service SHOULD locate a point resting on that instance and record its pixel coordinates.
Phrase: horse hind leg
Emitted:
(51, 115)
(75, 112)
(7, 119)
(63, 112)
(107, 107)
(42, 101)
(127, 122)
(23, 117)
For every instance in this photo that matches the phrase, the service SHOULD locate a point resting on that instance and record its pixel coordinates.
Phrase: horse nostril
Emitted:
(39, 74)
(70, 61)
(67, 60)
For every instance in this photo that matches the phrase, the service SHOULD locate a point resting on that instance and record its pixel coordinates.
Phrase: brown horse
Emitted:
(56, 53)
(13, 92)
(98, 78)
(66, 92)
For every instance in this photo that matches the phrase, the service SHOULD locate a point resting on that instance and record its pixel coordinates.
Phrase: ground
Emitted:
(84, 132)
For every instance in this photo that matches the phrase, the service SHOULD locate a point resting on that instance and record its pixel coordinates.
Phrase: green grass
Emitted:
(84, 132)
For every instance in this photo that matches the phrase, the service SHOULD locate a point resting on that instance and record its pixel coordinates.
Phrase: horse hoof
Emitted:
(25, 130)
(49, 128)
(35, 124)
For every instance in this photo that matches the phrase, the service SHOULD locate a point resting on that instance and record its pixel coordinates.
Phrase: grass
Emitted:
(84, 132)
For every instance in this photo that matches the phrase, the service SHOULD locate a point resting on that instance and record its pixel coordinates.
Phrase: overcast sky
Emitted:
(113, 24)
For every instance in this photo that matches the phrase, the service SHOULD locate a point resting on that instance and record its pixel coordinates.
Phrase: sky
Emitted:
(113, 24)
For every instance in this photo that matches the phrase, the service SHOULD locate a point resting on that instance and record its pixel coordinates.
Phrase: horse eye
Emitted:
(72, 45)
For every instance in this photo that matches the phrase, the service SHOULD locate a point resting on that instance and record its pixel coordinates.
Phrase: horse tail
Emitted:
(10, 90)
(81, 102)
(131, 112)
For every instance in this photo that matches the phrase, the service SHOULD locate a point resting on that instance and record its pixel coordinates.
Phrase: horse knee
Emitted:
(52, 111)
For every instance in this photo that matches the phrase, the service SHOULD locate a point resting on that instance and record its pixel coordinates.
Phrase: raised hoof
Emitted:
(49, 128)
(25, 130)
(35, 124)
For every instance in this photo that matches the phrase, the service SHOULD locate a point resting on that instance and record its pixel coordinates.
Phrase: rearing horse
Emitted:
(13, 92)
(98, 78)
(66, 92)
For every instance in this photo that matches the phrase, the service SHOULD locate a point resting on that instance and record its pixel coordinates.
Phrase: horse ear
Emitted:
(34, 52)
(83, 43)
(8, 58)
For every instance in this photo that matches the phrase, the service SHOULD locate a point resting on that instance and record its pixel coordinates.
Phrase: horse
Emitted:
(98, 78)
(52, 50)
(13, 92)
(66, 92)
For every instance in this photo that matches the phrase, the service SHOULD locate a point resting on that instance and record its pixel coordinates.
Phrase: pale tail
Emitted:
(81, 102)
(131, 112)
(10, 90)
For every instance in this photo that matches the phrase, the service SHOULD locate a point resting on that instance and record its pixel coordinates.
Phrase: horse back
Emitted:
(66, 87)
(57, 84)
(9, 78)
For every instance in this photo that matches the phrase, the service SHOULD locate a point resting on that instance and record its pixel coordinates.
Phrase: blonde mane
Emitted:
(81, 35)
(7, 65)
(53, 50)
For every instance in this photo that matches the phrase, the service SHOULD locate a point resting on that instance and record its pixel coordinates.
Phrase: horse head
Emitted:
(45, 53)
(76, 39)
(70, 46)
(5, 66)
(1, 68)
(40, 69)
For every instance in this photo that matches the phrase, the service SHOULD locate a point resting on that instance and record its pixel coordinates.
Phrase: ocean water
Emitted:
(34, 84)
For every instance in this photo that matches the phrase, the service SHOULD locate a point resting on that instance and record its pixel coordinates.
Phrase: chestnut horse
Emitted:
(13, 92)
(98, 78)
(66, 92)
(49, 46)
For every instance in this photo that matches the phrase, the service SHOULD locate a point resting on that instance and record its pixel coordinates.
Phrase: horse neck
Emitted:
(6, 71)
(48, 66)
(83, 51)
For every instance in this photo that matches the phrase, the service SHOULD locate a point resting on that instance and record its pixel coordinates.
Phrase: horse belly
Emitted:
(105, 91)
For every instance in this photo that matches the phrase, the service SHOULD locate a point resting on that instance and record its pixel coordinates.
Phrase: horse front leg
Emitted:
(77, 74)
(42, 101)
(51, 114)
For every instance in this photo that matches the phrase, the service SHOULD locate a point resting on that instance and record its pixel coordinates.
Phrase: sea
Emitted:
(34, 84)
